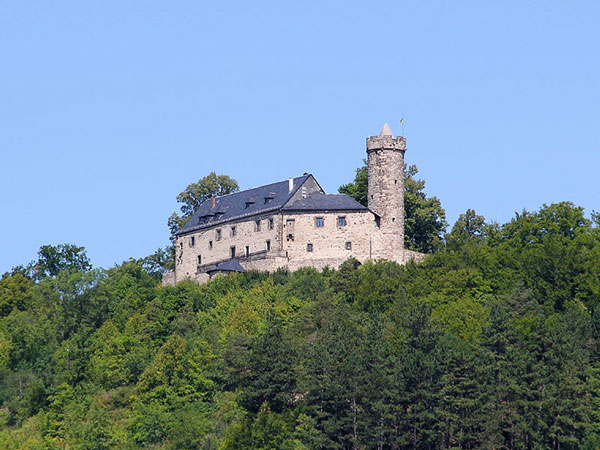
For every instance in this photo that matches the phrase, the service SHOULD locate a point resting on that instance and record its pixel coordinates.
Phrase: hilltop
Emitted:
(491, 342)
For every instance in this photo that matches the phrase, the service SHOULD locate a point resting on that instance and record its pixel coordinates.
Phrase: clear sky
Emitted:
(109, 109)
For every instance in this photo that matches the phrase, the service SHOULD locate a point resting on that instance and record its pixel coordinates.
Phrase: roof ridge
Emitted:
(261, 186)
(236, 205)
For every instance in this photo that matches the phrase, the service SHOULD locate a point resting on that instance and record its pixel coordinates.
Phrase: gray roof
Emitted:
(231, 265)
(326, 202)
(244, 203)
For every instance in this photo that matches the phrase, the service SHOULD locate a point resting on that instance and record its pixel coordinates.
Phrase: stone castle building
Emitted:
(294, 223)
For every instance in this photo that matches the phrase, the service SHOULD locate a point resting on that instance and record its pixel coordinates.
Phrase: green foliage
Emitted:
(158, 262)
(359, 188)
(15, 292)
(469, 228)
(55, 259)
(195, 194)
(424, 217)
(492, 343)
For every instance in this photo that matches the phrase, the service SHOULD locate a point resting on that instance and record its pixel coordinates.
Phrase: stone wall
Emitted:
(168, 278)
(386, 190)
(246, 234)
(329, 242)
(268, 264)
(411, 255)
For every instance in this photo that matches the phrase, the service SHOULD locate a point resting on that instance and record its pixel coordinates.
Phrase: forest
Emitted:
(493, 341)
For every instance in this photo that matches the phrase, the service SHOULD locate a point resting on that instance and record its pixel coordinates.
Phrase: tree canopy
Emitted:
(212, 185)
(491, 342)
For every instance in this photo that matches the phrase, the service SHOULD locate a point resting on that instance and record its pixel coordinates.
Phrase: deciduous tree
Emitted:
(212, 185)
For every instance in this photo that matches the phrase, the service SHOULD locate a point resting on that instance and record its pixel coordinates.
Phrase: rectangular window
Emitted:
(289, 229)
(348, 245)
(218, 235)
(199, 259)
(257, 225)
(271, 223)
(192, 241)
(319, 221)
(268, 246)
(233, 231)
(210, 244)
(309, 247)
(233, 251)
(247, 250)
(341, 221)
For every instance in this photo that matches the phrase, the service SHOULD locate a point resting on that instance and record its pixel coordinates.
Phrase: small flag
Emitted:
(402, 120)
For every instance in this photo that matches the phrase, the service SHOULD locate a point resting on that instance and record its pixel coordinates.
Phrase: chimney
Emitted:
(291, 184)
(213, 202)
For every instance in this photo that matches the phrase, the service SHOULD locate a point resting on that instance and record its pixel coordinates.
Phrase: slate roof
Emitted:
(326, 202)
(231, 265)
(242, 204)
(262, 199)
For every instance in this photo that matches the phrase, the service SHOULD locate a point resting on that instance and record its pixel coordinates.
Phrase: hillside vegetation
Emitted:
(491, 342)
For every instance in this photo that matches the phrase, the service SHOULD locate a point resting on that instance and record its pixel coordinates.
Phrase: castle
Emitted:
(294, 223)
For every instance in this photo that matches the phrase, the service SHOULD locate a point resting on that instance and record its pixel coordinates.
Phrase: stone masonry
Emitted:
(386, 189)
(332, 244)
(304, 227)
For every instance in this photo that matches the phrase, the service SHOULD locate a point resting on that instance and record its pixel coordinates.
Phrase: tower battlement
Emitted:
(386, 141)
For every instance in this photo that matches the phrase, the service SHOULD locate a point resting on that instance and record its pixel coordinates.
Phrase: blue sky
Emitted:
(109, 109)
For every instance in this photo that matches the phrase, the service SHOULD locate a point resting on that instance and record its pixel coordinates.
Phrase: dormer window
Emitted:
(251, 201)
(269, 197)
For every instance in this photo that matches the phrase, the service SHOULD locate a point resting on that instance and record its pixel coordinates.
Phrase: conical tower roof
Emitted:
(385, 131)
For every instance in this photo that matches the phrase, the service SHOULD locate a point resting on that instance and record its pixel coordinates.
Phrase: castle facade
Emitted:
(294, 223)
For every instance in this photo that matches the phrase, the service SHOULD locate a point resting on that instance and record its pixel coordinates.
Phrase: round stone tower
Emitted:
(386, 190)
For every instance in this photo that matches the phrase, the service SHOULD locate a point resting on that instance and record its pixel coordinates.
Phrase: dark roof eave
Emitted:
(306, 210)
(374, 212)
(216, 269)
